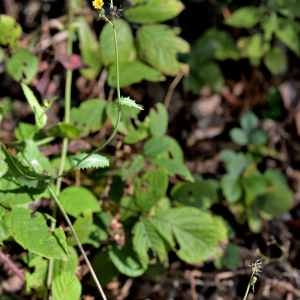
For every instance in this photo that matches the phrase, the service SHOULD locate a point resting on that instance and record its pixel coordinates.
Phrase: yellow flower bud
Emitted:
(98, 4)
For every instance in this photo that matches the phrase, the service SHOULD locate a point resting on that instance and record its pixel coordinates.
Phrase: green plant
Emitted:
(253, 195)
(266, 32)
(157, 225)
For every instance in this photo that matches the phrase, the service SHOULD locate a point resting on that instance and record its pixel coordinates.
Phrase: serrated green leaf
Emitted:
(153, 11)
(146, 238)
(89, 48)
(245, 17)
(159, 45)
(158, 120)
(66, 286)
(37, 109)
(22, 66)
(126, 47)
(198, 234)
(126, 261)
(89, 116)
(23, 175)
(33, 234)
(10, 31)
(133, 72)
(126, 101)
(89, 161)
(78, 200)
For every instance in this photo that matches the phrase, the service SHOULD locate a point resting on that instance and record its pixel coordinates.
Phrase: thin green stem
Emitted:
(87, 261)
(119, 113)
(248, 286)
(64, 151)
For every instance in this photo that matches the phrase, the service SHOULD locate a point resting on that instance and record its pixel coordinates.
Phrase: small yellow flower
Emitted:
(98, 4)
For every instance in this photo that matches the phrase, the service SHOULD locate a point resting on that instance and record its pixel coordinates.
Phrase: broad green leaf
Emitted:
(89, 49)
(288, 33)
(213, 44)
(10, 31)
(126, 101)
(69, 265)
(173, 167)
(249, 121)
(133, 72)
(232, 257)
(153, 11)
(22, 66)
(278, 198)
(35, 278)
(206, 74)
(158, 120)
(104, 267)
(126, 261)
(245, 17)
(126, 47)
(4, 232)
(254, 185)
(32, 233)
(202, 193)
(64, 130)
(198, 234)
(37, 109)
(159, 45)
(89, 116)
(235, 162)
(12, 199)
(150, 188)
(258, 137)
(130, 169)
(239, 136)
(89, 161)
(146, 238)
(231, 188)
(253, 48)
(85, 228)
(32, 156)
(3, 164)
(276, 61)
(66, 286)
(78, 200)
(25, 131)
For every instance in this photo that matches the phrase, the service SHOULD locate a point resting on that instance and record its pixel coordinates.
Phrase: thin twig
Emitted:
(83, 253)
(172, 88)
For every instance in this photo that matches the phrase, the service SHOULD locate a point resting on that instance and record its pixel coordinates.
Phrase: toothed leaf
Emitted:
(126, 101)
(87, 161)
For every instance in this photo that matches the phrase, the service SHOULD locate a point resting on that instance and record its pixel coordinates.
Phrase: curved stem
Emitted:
(87, 261)
(119, 113)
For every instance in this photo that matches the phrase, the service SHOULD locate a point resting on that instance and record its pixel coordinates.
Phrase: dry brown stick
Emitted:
(172, 88)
